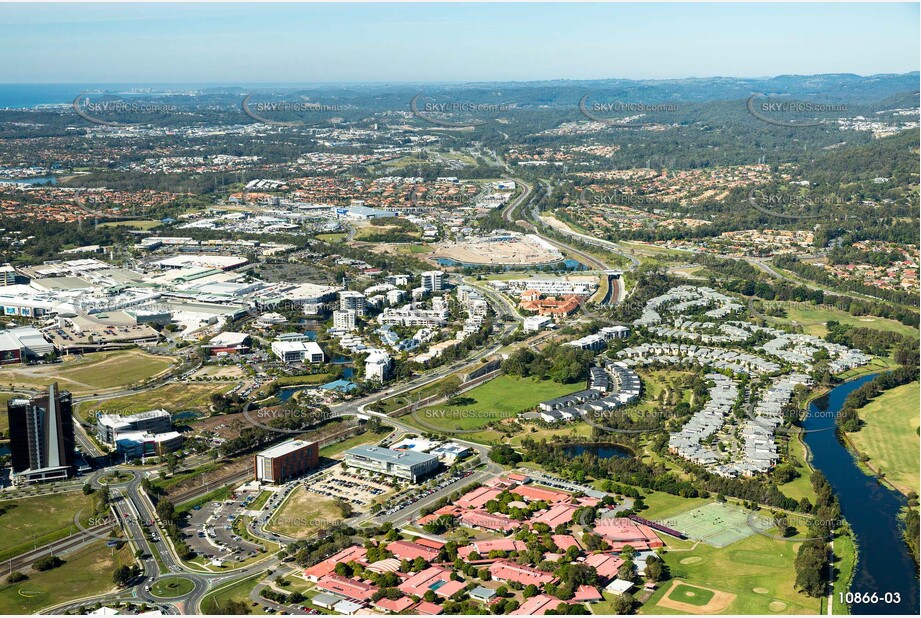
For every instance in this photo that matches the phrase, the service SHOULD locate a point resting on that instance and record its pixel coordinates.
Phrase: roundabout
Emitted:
(172, 587)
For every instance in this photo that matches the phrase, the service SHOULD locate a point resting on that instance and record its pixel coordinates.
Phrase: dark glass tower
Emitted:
(42, 436)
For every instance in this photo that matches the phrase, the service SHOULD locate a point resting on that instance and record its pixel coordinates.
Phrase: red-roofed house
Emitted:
(348, 588)
(532, 493)
(620, 531)
(410, 551)
(395, 607)
(484, 547)
(429, 543)
(505, 571)
(605, 564)
(450, 589)
(477, 498)
(428, 609)
(421, 582)
(556, 515)
(587, 594)
(496, 522)
(565, 541)
(321, 569)
(537, 606)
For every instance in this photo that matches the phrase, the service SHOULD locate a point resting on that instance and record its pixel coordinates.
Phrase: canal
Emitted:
(885, 564)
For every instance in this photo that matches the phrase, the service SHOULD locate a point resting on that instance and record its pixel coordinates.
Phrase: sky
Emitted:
(322, 43)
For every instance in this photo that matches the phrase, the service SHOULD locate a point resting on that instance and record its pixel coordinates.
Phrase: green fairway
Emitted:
(28, 522)
(758, 570)
(689, 594)
(171, 587)
(890, 436)
(499, 399)
(85, 572)
(813, 320)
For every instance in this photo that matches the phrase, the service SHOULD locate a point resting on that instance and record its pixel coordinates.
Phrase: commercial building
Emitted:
(298, 351)
(110, 427)
(407, 465)
(41, 437)
(18, 345)
(286, 460)
(133, 444)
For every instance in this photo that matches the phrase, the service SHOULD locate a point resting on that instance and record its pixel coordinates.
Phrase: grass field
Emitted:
(337, 237)
(93, 373)
(136, 224)
(813, 320)
(40, 520)
(170, 397)
(303, 514)
(890, 436)
(844, 561)
(86, 572)
(662, 505)
(4, 419)
(799, 487)
(366, 438)
(501, 398)
(757, 570)
(212, 602)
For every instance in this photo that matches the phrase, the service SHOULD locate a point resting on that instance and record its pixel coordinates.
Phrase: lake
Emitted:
(601, 451)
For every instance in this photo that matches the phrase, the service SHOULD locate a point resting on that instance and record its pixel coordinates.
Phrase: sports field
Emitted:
(690, 594)
(890, 436)
(716, 524)
(752, 576)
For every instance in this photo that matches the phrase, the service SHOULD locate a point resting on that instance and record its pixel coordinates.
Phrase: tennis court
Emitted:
(715, 524)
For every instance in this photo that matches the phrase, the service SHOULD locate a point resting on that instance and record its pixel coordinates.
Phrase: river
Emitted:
(885, 564)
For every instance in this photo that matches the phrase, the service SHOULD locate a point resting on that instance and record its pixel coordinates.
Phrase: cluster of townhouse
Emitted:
(609, 387)
(689, 354)
(423, 590)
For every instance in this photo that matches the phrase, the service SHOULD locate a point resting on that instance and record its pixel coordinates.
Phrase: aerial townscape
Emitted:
(322, 337)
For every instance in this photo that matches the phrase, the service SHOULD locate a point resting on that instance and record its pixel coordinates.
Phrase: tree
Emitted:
(122, 576)
(622, 604)
(16, 576)
(47, 563)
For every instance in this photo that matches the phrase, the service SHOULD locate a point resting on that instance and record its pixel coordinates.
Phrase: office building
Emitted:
(407, 465)
(110, 427)
(41, 437)
(298, 351)
(286, 460)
